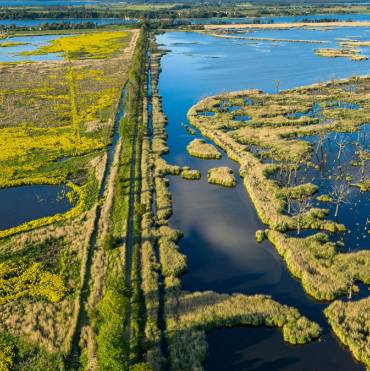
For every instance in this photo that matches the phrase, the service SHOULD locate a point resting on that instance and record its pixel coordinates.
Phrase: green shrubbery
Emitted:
(195, 313)
(18, 354)
(112, 338)
(350, 322)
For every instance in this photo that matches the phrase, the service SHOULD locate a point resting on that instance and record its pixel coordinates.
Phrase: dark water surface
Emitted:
(220, 223)
(25, 203)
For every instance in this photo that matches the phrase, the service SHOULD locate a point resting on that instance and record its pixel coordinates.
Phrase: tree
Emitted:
(301, 207)
(277, 86)
(339, 195)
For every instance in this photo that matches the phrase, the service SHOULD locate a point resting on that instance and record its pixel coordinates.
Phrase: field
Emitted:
(60, 116)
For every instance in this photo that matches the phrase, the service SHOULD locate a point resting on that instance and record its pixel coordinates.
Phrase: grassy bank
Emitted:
(349, 321)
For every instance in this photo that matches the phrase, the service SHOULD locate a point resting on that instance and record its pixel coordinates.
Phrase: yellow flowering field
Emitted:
(97, 45)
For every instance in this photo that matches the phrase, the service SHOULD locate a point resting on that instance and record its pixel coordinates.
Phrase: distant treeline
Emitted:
(65, 13)
(172, 12)
(52, 26)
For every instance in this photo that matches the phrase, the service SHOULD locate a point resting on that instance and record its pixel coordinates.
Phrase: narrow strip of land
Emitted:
(287, 25)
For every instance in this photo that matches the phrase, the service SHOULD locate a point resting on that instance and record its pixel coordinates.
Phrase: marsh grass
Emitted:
(190, 174)
(325, 273)
(221, 176)
(199, 148)
(343, 52)
(277, 121)
(96, 45)
(350, 322)
(198, 312)
(274, 127)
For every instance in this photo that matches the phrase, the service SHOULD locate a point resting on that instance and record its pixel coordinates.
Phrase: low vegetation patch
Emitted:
(260, 235)
(344, 52)
(350, 322)
(199, 148)
(95, 45)
(202, 311)
(325, 273)
(222, 176)
(9, 44)
(190, 174)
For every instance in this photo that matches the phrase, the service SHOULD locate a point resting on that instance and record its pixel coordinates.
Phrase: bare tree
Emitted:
(300, 208)
(277, 86)
(339, 195)
(362, 157)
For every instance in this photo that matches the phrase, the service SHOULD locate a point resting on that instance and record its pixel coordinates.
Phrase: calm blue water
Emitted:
(12, 53)
(219, 224)
(25, 203)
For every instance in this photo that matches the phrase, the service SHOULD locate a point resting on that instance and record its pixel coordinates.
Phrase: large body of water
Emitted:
(219, 224)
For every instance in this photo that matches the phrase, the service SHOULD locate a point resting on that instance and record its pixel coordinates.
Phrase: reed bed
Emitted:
(190, 174)
(276, 121)
(202, 311)
(223, 176)
(344, 52)
(350, 322)
(270, 39)
(199, 148)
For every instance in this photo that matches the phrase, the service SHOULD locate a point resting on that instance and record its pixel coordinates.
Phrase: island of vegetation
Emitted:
(345, 52)
(199, 148)
(222, 175)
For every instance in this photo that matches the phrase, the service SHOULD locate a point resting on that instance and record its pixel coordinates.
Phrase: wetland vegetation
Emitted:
(283, 174)
(93, 278)
(222, 176)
